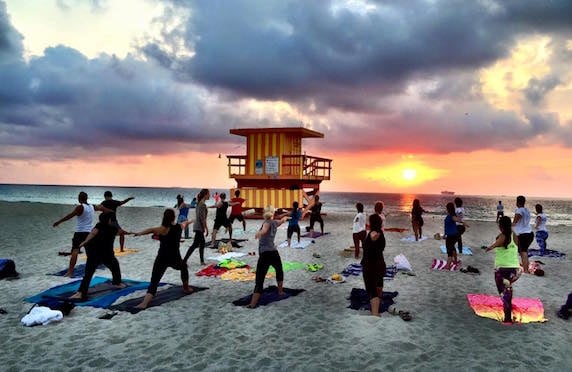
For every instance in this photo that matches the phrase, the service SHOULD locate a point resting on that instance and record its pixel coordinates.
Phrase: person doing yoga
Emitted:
(373, 263)
(169, 234)
(267, 255)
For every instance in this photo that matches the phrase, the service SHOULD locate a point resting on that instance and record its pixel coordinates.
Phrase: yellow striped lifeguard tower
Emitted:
(275, 171)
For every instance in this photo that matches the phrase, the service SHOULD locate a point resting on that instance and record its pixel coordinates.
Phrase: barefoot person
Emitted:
(84, 222)
(358, 229)
(451, 232)
(293, 222)
(316, 215)
(460, 213)
(169, 234)
(221, 219)
(373, 263)
(183, 216)
(417, 219)
(99, 249)
(112, 204)
(521, 227)
(506, 264)
(200, 226)
(236, 209)
(540, 226)
(267, 255)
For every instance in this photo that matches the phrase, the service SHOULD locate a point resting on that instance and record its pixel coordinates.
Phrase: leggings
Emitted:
(267, 259)
(160, 266)
(541, 237)
(373, 278)
(94, 259)
(199, 241)
(505, 290)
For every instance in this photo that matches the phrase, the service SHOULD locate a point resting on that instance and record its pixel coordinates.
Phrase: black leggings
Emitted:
(267, 259)
(198, 241)
(94, 259)
(160, 266)
(460, 230)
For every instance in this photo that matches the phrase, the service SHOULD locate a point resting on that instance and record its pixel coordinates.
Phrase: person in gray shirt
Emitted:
(200, 226)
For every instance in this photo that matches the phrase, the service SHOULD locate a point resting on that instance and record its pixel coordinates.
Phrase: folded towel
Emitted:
(41, 315)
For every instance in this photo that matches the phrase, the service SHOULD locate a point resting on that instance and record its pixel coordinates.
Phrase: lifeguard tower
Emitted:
(275, 171)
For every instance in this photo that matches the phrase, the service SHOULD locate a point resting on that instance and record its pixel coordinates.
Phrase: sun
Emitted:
(409, 174)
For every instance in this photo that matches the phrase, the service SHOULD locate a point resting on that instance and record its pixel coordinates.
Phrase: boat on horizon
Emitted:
(446, 192)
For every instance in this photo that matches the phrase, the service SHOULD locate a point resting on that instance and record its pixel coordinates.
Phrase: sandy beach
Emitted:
(313, 331)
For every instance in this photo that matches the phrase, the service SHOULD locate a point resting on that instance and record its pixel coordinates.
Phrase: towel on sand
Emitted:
(269, 295)
(439, 264)
(315, 235)
(41, 315)
(222, 257)
(547, 253)
(359, 300)
(411, 238)
(303, 243)
(524, 310)
(466, 250)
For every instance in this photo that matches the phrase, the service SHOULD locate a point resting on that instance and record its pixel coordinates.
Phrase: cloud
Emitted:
(389, 76)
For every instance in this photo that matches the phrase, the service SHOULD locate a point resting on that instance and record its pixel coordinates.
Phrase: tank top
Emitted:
(373, 250)
(295, 218)
(221, 212)
(507, 257)
(170, 243)
(184, 211)
(84, 222)
(450, 226)
(359, 223)
(266, 242)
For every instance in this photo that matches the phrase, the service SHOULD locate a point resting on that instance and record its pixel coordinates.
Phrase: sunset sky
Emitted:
(412, 96)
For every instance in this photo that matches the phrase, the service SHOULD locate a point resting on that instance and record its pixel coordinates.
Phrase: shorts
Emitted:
(450, 241)
(116, 224)
(293, 229)
(524, 241)
(219, 223)
(78, 238)
(235, 217)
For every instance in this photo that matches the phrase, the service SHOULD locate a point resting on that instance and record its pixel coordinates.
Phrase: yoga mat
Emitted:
(524, 310)
(439, 264)
(359, 300)
(101, 292)
(395, 229)
(172, 293)
(411, 238)
(466, 250)
(547, 253)
(304, 243)
(78, 271)
(269, 295)
(316, 235)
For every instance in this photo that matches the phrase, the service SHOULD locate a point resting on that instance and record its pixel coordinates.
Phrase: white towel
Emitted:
(402, 263)
(41, 315)
(221, 257)
(411, 238)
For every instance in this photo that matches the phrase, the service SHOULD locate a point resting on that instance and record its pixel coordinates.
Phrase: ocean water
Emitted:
(482, 208)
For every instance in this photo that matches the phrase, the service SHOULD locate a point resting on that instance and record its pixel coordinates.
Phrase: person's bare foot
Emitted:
(69, 275)
(187, 289)
(141, 306)
(447, 267)
(76, 296)
(203, 263)
(120, 285)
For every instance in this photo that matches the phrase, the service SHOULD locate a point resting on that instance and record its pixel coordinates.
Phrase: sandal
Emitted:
(405, 315)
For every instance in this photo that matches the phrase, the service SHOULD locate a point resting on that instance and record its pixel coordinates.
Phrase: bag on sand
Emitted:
(7, 268)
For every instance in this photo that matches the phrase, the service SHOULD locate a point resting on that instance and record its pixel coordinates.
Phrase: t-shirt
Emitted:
(542, 223)
(201, 215)
(236, 209)
(373, 250)
(316, 209)
(500, 208)
(103, 241)
(460, 213)
(295, 218)
(266, 242)
(507, 257)
(450, 226)
(359, 223)
(523, 225)
(111, 204)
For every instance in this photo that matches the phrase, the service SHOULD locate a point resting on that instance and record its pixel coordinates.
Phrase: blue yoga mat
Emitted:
(547, 253)
(466, 250)
(269, 295)
(101, 292)
(174, 292)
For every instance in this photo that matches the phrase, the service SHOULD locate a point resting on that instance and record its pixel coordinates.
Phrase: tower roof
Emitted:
(299, 131)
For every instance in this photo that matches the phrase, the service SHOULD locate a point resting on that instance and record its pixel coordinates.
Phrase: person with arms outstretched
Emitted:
(112, 204)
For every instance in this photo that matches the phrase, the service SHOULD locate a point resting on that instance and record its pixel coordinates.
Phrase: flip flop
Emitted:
(108, 315)
(405, 315)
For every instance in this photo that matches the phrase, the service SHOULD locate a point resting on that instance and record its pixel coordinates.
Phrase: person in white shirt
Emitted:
(540, 226)
(460, 214)
(358, 229)
(500, 210)
(521, 227)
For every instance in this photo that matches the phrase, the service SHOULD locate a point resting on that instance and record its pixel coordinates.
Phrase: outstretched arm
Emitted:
(126, 200)
(101, 208)
(78, 210)
(151, 230)
(282, 220)
(263, 230)
(498, 243)
(91, 235)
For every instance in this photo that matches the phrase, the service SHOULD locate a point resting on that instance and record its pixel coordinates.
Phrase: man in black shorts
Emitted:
(236, 209)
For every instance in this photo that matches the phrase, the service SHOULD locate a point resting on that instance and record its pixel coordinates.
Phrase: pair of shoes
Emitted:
(2, 311)
(318, 279)
(563, 314)
(314, 267)
(252, 253)
(405, 315)
(316, 255)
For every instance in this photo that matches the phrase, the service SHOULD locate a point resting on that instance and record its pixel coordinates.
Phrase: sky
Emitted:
(413, 96)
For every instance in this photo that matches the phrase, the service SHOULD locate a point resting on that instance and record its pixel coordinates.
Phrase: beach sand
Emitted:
(312, 331)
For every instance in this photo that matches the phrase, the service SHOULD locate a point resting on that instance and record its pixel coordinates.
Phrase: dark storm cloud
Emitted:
(349, 74)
